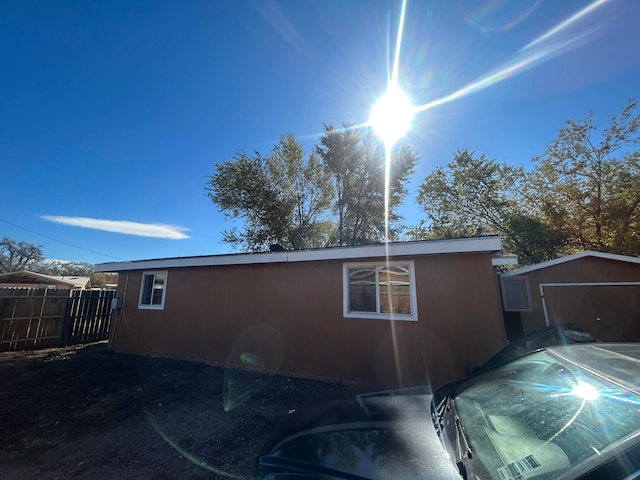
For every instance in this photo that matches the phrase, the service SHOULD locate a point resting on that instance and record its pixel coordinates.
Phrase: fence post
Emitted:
(67, 324)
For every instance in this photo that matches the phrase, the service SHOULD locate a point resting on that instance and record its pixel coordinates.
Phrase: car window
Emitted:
(376, 451)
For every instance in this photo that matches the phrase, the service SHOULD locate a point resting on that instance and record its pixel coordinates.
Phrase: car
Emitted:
(564, 412)
(547, 337)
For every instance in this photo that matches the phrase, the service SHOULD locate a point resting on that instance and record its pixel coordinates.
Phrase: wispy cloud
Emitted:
(279, 21)
(157, 230)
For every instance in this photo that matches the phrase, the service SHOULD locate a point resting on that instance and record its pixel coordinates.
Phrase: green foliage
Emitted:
(470, 192)
(356, 160)
(101, 279)
(474, 195)
(286, 198)
(16, 255)
(307, 190)
(588, 185)
(59, 268)
(281, 198)
(583, 193)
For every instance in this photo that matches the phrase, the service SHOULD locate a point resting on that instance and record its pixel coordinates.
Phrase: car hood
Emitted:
(359, 434)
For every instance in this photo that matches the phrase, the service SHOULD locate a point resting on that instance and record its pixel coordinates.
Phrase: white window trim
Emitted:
(380, 316)
(164, 290)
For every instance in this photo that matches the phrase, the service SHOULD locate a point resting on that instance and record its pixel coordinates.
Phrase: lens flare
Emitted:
(527, 57)
(500, 15)
(566, 23)
(585, 391)
(259, 348)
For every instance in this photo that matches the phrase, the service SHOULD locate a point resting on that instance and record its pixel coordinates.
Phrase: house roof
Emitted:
(490, 244)
(25, 276)
(504, 258)
(75, 280)
(569, 258)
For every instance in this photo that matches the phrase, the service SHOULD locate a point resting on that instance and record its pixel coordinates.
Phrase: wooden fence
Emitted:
(38, 318)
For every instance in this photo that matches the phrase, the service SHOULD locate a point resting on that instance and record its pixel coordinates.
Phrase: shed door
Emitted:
(608, 312)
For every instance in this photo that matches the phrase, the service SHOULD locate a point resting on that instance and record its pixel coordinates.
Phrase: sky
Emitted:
(113, 114)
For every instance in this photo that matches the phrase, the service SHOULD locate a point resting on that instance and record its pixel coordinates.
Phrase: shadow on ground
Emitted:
(85, 412)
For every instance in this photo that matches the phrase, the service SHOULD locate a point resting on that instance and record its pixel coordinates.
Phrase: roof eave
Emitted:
(488, 244)
(568, 258)
(39, 276)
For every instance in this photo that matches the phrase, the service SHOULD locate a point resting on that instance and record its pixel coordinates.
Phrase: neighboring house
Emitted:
(78, 282)
(400, 313)
(599, 292)
(26, 279)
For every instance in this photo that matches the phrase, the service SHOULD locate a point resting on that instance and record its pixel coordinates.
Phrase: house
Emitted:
(26, 279)
(397, 313)
(78, 282)
(598, 292)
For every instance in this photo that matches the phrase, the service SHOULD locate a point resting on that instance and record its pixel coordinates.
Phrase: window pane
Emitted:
(362, 289)
(157, 297)
(394, 274)
(395, 299)
(395, 294)
(158, 288)
(147, 285)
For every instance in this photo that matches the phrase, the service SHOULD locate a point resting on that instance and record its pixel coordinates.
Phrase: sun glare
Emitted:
(392, 115)
(585, 391)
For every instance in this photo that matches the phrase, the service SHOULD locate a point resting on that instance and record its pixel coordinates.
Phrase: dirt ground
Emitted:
(83, 412)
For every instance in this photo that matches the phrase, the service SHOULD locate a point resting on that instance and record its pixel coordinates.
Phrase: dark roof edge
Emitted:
(427, 247)
(41, 276)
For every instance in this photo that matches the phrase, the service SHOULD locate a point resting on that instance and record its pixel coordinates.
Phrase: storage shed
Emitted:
(397, 314)
(598, 292)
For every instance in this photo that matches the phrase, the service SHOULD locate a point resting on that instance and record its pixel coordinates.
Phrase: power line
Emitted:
(60, 241)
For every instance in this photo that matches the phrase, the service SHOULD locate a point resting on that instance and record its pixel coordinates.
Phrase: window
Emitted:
(516, 296)
(380, 290)
(152, 290)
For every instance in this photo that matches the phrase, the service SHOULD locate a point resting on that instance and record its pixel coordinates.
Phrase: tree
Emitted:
(282, 198)
(474, 195)
(100, 279)
(17, 255)
(588, 185)
(60, 268)
(356, 161)
(307, 188)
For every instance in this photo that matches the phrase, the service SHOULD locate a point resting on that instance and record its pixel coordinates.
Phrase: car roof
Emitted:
(616, 362)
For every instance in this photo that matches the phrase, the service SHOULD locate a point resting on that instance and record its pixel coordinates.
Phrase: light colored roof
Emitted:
(77, 281)
(18, 277)
(504, 258)
(428, 247)
(569, 258)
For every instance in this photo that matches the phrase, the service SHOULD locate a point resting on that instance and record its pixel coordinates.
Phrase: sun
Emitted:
(392, 115)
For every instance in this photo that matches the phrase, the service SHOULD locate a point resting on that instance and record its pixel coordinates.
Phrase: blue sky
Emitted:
(117, 111)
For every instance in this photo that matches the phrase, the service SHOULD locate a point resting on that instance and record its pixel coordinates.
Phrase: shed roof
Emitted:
(74, 279)
(25, 276)
(489, 244)
(569, 258)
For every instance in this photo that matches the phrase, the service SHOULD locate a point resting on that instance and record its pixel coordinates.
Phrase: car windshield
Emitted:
(543, 417)
(375, 451)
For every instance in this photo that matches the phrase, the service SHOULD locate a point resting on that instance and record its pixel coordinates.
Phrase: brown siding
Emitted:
(125, 327)
(288, 318)
(460, 314)
(610, 313)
